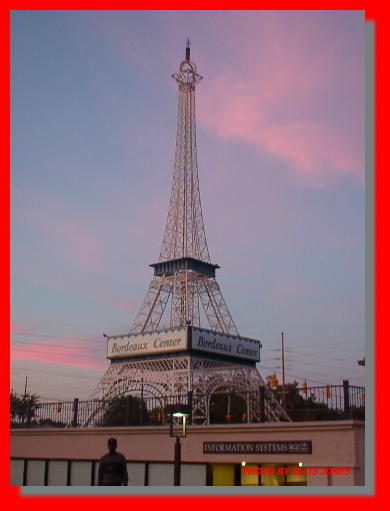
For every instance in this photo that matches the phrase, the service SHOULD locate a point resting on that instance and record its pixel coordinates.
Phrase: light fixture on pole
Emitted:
(178, 415)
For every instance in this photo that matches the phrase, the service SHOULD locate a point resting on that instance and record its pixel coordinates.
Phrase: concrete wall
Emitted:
(334, 444)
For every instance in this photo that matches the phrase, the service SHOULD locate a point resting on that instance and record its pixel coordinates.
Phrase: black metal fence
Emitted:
(329, 402)
(332, 401)
(340, 397)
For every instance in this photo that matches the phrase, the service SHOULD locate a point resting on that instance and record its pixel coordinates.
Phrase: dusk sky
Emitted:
(280, 137)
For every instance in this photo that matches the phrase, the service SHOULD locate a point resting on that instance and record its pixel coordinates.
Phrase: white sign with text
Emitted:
(228, 345)
(147, 344)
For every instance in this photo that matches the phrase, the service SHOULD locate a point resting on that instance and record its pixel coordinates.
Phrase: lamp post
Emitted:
(178, 413)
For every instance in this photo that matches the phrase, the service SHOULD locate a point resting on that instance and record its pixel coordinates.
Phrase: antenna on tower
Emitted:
(188, 44)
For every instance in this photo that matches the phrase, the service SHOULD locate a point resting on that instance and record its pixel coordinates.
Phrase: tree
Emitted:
(301, 408)
(15, 406)
(125, 411)
(23, 408)
(358, 412)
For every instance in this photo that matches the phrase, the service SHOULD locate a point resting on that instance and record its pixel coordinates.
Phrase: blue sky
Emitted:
(280, 127)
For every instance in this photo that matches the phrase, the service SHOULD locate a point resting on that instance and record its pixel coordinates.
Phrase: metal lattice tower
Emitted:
(185, 293)
(187, 281)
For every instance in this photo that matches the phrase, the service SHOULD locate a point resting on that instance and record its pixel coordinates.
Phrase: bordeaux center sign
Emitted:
(228, 345)
(189, 339)
(165, 341)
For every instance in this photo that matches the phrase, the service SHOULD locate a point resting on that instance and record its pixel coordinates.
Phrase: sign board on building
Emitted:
(276, 447)
(135, 345)
(183, 339)
(227, 345)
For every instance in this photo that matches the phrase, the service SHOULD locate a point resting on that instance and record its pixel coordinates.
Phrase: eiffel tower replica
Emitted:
(168, 351)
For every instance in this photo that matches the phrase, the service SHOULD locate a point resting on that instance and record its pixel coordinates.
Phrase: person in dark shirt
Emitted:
(112, 467)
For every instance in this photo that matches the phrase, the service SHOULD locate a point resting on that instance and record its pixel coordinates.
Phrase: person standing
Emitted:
(112, 467)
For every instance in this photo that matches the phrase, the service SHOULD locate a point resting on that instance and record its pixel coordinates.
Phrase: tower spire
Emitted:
(188, 51)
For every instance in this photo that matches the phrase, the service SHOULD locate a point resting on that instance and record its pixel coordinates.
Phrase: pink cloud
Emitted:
(293, 95)
(313, 148)
(22, 327)
(291, 84)
(77, 353)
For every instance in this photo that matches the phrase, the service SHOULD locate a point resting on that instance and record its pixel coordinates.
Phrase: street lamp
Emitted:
(178, 415)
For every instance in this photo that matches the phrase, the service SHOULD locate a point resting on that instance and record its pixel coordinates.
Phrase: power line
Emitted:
(54, 336)
(340, 342)
(101, 343)
(293, 375)
(92, 377)
(46, 352)
(52, 345)
(67, 374)
(27, 345)
(318, 357)
(302, 377)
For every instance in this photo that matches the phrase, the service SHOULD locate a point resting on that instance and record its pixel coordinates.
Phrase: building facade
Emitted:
(326, 453)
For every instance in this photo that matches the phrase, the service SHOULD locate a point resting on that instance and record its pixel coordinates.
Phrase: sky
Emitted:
(280, 137)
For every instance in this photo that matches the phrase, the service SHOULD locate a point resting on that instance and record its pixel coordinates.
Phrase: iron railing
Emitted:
(328, 402)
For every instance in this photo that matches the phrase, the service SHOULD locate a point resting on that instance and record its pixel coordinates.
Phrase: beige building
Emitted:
(326, 453)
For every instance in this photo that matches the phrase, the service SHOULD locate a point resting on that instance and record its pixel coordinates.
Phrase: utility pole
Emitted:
(25, 388)
(283, 379)
(25, 411)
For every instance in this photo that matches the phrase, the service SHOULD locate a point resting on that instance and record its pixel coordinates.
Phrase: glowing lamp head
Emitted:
(178, 415)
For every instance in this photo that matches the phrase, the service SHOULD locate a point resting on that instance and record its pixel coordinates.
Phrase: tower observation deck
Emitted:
(183, 338)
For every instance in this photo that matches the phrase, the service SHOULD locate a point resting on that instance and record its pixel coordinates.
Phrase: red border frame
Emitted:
(379, 16)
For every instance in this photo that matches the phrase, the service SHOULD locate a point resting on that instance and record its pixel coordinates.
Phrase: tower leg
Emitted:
(152, 308)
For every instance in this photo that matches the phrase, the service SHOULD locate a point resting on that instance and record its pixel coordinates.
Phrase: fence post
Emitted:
(189, 403)
(141, 405)
(261, 403)
(347, 409)
(141, 412)
(75, 412)
(29, 413)
(128, 410)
